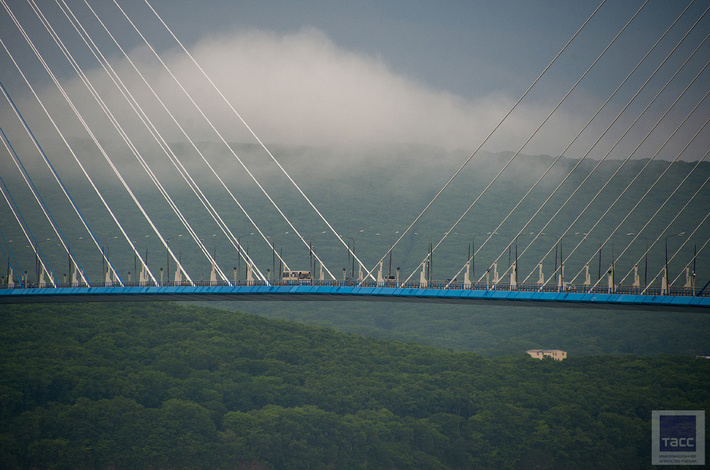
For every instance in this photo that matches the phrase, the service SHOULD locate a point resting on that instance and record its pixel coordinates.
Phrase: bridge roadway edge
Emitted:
(354, 293)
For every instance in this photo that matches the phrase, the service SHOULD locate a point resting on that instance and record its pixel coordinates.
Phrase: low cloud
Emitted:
(302, 89)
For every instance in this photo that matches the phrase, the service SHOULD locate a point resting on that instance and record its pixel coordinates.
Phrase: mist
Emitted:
(293, 89)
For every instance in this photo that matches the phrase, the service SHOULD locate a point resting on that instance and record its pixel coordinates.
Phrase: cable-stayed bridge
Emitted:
(121, 180)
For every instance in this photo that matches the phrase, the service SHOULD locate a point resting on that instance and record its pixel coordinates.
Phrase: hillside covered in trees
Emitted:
(169, 386)
(493, 330)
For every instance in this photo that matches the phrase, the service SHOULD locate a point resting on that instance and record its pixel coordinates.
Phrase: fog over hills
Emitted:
(371, 194)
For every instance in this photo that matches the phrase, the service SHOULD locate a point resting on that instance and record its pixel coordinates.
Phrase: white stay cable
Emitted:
(606, 155)
(61, 134)
(59, 182)
(650, 188)
(668, 226)
(490, 134)
(30, 238)
(618, 140)
(520, 232)
(224, 141)
(128, 142)
(126, 139)
(648, 222)
(263, 146)
(45, 211)
(695, 256)
(55, 175)
(693, 260)
(648, 134)
(145, 120)
(223, 225)
(89, 132)
(534, 133)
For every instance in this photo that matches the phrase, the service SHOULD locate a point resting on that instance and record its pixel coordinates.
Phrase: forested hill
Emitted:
(169, 386)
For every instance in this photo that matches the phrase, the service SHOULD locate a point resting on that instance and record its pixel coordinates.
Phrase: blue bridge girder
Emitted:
(337, 291)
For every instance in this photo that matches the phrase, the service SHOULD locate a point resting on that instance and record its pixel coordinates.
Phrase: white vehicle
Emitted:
(296, 276)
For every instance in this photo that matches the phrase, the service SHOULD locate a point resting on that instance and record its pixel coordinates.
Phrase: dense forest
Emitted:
(170, 386)
(493, 330)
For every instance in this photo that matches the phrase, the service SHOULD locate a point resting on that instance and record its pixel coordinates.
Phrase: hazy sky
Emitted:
(343, 73)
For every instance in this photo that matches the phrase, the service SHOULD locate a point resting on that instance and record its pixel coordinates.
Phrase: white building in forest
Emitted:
(556, 354)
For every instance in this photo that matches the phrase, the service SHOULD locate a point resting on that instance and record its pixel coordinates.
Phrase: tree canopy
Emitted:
(169, 386)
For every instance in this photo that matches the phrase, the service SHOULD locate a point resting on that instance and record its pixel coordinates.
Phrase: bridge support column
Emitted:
(178, 276)
(10, 280)
(514, 277)
(422, 277)
(144, 275)
(380, 279)
(250, 275)
(587, 277)
(637, 281)
(213, 275)
(466, 277)
(688, 282)
(610, 280)
(541, 276)
(495, 273)
(74, 279)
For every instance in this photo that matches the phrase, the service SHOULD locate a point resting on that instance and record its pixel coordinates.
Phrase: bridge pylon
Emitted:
(637, 280)
(422, 277)
(213, 275)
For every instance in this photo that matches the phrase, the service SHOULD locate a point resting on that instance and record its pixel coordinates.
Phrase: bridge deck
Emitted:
(341, 292)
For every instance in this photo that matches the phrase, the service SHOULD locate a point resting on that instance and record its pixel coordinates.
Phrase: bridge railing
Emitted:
(435, 284)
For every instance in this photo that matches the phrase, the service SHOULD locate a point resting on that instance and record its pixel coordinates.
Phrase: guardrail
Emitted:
(439, 285)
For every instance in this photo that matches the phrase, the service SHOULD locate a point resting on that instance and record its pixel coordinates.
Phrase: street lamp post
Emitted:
(471, 255)
(560, 275)
(37, 260)
(664, 286)
(167, 255)
(389, 268)
(645, 268)
(495, 265)
(17, 274)
(239, 258)
(351, 257)
(515, 266)
(106, 257)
